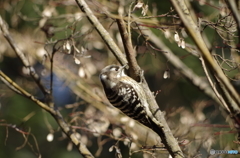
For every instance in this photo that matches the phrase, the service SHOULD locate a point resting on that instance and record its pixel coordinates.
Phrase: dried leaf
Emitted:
(176, 37)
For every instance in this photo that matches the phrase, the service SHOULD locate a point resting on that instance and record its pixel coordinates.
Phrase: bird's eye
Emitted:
(114, 69)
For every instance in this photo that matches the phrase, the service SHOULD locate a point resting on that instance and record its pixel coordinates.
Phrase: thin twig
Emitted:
(213, 86)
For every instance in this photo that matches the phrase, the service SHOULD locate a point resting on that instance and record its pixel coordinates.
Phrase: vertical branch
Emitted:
(134, 69)
(51, 56)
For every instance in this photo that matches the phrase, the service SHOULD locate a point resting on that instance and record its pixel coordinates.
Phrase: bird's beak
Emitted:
(121, 70)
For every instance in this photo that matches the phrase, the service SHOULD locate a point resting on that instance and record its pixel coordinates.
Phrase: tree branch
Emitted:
(55, 113)
(22, 57)
(194, 32)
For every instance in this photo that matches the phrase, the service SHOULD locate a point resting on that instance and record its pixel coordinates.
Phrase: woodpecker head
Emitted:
(111, 75)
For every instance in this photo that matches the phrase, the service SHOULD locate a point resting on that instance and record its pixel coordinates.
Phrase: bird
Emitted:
(128, 96)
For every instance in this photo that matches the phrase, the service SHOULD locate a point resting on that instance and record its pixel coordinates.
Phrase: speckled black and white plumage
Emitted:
(127, 95)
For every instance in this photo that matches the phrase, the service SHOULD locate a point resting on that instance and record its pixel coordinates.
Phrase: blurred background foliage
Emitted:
(33, 23)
